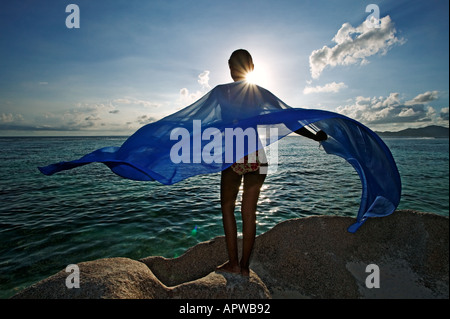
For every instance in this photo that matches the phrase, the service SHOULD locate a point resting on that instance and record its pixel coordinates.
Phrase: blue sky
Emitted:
(133, 62)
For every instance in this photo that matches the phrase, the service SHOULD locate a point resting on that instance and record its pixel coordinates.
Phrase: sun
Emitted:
(258, 76)
(252, 77)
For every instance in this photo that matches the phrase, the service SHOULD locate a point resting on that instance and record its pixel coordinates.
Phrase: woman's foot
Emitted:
(245, 270)
(229, 267)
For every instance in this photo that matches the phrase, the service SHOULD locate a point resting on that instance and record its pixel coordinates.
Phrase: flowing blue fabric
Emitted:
(196, 140)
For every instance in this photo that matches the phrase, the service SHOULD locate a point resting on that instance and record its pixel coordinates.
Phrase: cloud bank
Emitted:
(327, 88)
(354, 45)
(392, 110)
(89, 116)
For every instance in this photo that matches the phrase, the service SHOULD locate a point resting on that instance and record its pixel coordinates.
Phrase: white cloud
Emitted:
(187, 97)
(134, 101)
(354, 45)
(85, 116)
(423, 98)
(374, 111)
(145, 119)
(327, 88)
(407, 113)
(444, 114)
(203, 80)
(92, 118)
(10, 118)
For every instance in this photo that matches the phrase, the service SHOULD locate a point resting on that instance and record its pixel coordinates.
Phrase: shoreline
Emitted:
(305, 258)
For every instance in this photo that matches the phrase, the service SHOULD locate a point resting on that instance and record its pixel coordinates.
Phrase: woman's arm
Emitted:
(320, 136)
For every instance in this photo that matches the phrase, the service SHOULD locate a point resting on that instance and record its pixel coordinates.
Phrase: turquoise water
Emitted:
(47, 223)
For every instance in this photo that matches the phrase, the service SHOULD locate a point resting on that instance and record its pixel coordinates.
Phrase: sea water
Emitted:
(47, 223)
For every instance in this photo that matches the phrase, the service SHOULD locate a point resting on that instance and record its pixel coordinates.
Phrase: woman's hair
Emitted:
(240, 63)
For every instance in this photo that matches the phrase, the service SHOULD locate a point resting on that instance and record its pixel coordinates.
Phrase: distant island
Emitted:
(429, 131)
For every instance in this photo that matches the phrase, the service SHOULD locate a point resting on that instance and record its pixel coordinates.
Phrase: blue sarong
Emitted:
(196, 140)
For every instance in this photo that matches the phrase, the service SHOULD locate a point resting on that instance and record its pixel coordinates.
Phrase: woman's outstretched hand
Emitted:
(321, 136)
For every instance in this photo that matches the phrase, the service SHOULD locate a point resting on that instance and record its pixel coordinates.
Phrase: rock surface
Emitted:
(312, 257)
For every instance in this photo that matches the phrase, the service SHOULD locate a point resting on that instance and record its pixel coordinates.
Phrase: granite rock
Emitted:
(313, 257)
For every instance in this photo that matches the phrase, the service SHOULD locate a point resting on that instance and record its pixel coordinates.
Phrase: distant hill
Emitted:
(429, 131)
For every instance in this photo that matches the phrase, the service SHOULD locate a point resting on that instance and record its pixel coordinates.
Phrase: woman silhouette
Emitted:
(241, 64)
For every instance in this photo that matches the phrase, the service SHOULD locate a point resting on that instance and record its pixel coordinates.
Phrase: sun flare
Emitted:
(258, 76)
(252, 77)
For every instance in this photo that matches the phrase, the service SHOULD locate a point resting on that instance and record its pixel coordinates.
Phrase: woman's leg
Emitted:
(252, 187)
(229, 188)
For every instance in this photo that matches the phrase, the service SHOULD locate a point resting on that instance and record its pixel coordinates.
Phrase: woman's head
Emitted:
(240, 63)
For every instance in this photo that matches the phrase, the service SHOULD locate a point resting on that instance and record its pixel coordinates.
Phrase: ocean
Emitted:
(47, 223)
